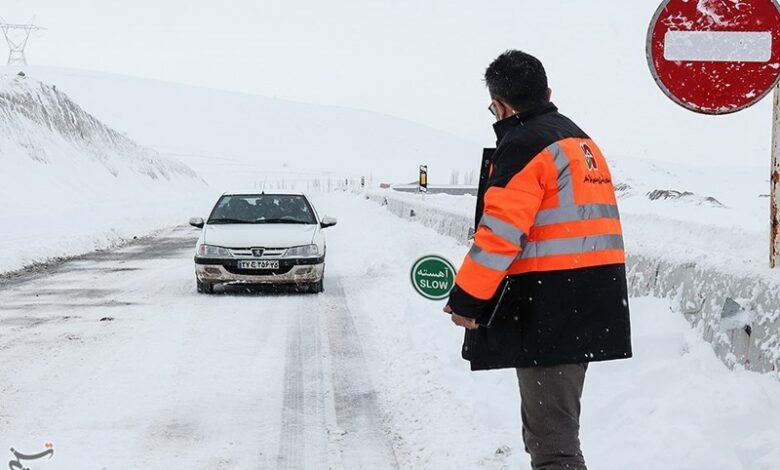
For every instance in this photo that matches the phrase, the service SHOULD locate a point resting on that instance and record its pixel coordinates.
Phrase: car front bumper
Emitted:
(291, 271)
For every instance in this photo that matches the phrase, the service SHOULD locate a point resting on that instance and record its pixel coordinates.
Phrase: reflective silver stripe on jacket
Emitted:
(576, 213)
(571, 246)
(504, 230)
(565, 186)
(491, 260)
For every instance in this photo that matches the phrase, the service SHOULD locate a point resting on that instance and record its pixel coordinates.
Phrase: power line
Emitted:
(17, 36)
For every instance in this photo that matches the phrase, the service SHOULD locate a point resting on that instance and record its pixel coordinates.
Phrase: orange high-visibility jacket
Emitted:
(549, 216)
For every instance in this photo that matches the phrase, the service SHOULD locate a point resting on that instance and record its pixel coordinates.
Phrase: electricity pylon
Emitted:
(17, 36)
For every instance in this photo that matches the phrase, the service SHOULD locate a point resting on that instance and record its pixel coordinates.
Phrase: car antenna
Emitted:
(262, 191)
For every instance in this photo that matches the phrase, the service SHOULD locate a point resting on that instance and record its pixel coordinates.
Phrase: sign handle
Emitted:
(774, 196)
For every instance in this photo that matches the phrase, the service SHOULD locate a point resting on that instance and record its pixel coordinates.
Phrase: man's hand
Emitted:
(465, 322)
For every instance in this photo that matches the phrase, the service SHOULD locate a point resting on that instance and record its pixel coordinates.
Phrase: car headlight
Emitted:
(306, 251)
(211, 251)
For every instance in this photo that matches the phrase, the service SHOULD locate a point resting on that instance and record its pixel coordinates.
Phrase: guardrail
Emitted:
(739, 316)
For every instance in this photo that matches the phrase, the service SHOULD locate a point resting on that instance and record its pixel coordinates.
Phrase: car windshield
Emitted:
(263, 209)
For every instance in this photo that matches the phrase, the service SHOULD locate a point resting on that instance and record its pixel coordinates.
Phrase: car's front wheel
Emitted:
(318, 287)
(204, 287)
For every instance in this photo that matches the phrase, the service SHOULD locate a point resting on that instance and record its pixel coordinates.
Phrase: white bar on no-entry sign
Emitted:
(718, 46)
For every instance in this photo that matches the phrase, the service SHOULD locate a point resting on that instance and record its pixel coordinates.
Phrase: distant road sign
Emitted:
(715, 56)
(423, 180)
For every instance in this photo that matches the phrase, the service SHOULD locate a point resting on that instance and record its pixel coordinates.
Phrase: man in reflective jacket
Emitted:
(543, 288)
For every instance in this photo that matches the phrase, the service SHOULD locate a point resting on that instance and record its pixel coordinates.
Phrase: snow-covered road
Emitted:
(115, 359)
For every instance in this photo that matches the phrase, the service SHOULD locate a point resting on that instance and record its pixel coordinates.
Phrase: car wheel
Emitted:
(204, 287)
(317, 287)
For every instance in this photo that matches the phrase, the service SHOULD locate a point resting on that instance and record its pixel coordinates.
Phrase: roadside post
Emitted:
(422, 182)
(720, 57)
(774, 194)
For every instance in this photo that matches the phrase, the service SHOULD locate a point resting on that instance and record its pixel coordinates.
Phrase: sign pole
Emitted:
(774, 195)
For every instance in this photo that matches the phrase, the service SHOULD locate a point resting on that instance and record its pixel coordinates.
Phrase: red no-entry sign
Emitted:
(718, 57)
(715, 56)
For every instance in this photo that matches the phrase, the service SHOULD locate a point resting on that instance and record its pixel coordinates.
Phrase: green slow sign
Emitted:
(433, 277)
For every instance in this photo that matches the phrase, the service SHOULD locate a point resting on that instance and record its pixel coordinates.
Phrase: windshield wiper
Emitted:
(229, 221)
(282, 221)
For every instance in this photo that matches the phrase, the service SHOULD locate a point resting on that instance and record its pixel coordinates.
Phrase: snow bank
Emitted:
(447, 220)
(71, 184)
(734, 303)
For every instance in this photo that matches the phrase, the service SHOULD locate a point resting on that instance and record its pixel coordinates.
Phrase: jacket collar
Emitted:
(503, 126)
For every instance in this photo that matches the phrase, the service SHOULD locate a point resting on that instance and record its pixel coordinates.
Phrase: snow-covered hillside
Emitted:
(239, 139)
(70, 183)
(38, 118)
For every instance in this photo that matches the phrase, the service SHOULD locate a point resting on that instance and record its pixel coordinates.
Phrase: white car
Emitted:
(261, 239)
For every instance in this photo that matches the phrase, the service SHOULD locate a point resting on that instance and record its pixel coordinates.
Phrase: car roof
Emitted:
(266, 193)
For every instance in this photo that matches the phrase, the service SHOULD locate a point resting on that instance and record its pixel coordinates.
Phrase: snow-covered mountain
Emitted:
(43, 124)
(239, 139)
(73, 182)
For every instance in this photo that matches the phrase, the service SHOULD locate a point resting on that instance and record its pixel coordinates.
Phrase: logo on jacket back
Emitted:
(590, 158)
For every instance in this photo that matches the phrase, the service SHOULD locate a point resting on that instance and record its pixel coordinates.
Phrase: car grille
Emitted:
(259, 272)
(249, 253)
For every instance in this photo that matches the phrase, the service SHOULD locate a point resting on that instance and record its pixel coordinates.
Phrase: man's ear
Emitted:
(503, 110)
(549, 94)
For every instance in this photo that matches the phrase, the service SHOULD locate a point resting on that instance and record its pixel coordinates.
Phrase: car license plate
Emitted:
(259, 264)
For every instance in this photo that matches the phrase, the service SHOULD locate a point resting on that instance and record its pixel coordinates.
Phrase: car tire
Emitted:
(204, 287)
(317, 287)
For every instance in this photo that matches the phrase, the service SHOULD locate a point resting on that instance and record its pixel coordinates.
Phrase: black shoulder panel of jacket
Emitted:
(521, 138)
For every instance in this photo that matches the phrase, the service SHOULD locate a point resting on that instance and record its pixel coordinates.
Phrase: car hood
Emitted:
(259, 235)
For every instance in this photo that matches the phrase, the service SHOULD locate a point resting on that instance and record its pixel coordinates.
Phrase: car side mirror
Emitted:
(197, 222)
(328, 222)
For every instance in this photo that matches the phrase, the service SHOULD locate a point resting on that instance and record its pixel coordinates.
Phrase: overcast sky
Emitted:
(419, 60)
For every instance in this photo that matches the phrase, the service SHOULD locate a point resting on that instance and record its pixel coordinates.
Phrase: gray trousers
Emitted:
(551, 415)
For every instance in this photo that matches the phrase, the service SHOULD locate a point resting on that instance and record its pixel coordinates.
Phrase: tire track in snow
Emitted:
(330, 415)
(364, 442)
(291, 440)
(303, 440)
